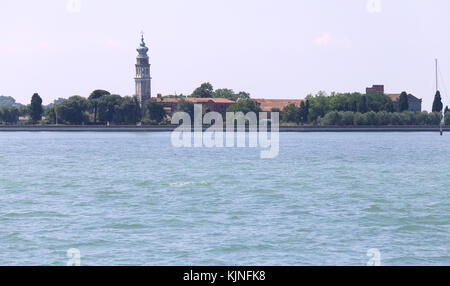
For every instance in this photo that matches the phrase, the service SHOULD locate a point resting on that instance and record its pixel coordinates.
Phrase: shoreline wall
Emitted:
(405, 128)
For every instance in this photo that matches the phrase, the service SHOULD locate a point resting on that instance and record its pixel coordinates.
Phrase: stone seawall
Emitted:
(171, 128)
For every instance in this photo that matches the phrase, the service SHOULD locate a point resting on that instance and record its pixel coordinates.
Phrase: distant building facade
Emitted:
(268, 105)
(375, 89)
(143, 78)
(414, 103)
(219, 105)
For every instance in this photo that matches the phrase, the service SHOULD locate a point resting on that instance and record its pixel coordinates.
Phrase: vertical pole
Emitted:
(437, 87)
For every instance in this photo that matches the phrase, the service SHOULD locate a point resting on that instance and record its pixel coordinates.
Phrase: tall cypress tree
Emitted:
(302, 112)
(437, 103)
(390, 106)
(306, 110)
(36, 108)
(355, 106)
(403, 102)
(363, 108)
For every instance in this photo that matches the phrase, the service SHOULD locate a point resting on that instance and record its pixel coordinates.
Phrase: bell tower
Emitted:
(143, 78)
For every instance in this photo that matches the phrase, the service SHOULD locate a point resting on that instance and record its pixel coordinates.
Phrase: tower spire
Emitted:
(143, 78)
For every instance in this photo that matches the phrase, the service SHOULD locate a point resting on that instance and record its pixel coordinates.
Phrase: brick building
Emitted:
(213, 104)
(268, 105)
(375, 89)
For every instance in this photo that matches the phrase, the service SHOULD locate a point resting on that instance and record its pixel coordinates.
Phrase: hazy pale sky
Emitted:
(272, 49)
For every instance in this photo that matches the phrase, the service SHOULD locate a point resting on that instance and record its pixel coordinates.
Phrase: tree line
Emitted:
(346, 118)
(206, 90)
(102, 107)
(360, 109)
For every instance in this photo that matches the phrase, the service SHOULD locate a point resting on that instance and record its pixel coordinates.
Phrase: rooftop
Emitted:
(395, 96)
(197, 100)
(269, 104)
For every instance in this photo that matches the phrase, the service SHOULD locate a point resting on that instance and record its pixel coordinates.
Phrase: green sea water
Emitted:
(133, 199)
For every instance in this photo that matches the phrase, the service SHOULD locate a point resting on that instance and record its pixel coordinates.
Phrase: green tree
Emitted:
(307, 105)
(55, 102)
(7, 101)
(347, 118)
(290, 114)
(303, 112)
(225, 93)
(389, 107)
(371, 118)
(421, 118)
(108, 106)
(36, 108)
(359, 119)
(50, 113)
(9, 115)
(128, 111)
(362, 107)
(331, 118)
(94, 99)
(446, 110)
(434, 118)
(274, 109)
(73, 110)
(355, 106)
(403, 102)
(186, 106)
(230, 94)
(2, 115)
(242, 95)
(437, 103)
(245, 106)
(24, 110)
(155, 111)
(318, 105)
(205, 90)
(378, 102)
(383, 118)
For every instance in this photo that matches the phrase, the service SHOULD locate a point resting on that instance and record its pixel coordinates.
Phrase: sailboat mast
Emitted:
(437, 86)
(442, 113)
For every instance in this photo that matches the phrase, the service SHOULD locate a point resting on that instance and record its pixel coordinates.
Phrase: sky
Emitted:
(269, 48)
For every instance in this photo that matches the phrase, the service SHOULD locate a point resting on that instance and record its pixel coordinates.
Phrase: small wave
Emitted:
(33, 214)
(407, 228)
(188, 183)
(125, 226)
(373, 209)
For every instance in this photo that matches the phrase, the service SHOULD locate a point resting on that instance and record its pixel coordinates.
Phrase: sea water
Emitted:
(133, 199)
